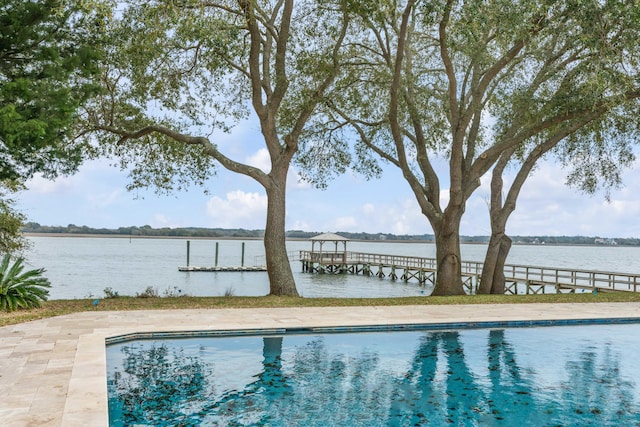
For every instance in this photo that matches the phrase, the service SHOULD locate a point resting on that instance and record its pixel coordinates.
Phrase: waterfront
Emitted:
(84, 267)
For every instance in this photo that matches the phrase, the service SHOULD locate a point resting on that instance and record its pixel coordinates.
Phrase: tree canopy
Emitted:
(179, 72)
(48, 56)
(11, 221)
(476, 81)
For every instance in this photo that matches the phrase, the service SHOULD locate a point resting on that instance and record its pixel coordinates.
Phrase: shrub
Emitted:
(110, 293)
(174, 293)
(150, 292)
(21, 290)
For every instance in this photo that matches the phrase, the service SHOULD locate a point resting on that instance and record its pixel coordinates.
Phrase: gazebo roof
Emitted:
(329, 237)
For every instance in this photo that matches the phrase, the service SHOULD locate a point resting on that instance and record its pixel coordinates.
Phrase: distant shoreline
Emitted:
(136, 236)
(126, 236)
(202, 233)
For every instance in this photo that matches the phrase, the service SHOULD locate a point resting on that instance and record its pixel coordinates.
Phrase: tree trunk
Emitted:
(498, 275)
(448, 259)
(489, 265)
(281, 281)
(492, 281)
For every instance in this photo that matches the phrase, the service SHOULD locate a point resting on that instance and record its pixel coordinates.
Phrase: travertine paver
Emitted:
(53, 371)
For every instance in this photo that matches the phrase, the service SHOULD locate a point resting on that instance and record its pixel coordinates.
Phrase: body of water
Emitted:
(80, 267)
(544, 376)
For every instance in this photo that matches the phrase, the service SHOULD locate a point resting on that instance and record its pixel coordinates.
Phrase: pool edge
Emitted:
(213, 333)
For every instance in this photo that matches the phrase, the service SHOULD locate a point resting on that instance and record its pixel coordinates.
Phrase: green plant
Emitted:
(110, 293)
(174, 293)
(229, 292)
(21, 290)
(150, 292)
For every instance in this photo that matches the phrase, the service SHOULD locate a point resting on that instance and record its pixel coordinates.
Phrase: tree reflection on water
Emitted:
(596, 390)
(453, 394)
(316, 385)
(158, 387)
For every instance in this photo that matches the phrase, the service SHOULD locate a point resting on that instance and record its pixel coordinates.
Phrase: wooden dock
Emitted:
(520, 279)
(240, 269)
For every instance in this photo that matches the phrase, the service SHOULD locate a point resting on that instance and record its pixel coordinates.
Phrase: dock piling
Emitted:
(535, 280)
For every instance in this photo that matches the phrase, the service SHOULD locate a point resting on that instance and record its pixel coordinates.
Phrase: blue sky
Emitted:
(96, 197)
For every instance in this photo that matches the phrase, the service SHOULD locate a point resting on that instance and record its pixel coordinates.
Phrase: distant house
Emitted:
(599, 241)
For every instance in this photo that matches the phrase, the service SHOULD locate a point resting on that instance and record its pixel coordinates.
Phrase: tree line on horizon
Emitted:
(490, 86)
(147, 230)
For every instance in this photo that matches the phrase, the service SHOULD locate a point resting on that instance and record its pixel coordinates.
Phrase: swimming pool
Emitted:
(540, 376)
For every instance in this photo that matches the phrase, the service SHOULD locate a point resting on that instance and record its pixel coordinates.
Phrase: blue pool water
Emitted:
(583, 375)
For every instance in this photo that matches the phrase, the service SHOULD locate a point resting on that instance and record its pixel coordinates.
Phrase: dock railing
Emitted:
(572, 279)
(468, 267)
(535, 279)
(367, 258)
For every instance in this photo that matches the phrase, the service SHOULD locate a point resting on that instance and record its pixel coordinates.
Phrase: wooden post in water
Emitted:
(242, 254)
(188, 248)
(217, 244)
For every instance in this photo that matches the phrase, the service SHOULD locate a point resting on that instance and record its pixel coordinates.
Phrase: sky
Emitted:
(96, 197)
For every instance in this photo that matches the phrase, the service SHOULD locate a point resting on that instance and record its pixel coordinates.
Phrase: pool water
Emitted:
(544, 376)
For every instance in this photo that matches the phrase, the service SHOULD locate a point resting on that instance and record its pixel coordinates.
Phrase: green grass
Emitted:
(62, 307)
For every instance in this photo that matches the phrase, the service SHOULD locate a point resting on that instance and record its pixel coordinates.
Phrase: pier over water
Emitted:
(520, 279)
(329, 255)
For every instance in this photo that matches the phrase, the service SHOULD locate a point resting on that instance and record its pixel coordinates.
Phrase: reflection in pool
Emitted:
(544, 376)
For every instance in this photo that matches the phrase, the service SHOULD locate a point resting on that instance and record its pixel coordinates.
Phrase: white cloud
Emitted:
(162, 220)
(295, 181)
(40, 185)
(243, 137)
(547, 206)
(622, 208)
(368, 209)
(92, 175)
(403, 217)
(409, 219)
(444, 198)
(301, 225)
(260, 159)
(238, 210)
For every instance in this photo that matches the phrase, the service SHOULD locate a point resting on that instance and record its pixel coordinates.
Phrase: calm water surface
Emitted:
(84, 267)
(551, 376)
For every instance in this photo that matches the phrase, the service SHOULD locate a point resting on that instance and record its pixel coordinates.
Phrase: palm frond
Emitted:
(21, 290)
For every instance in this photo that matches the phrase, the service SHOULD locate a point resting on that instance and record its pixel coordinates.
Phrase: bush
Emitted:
(174, 293)
(150, 292)
(110, 293)
(21, 290)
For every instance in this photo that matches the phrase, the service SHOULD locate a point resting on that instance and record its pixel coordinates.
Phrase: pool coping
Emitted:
(53, 371)
(160, 335)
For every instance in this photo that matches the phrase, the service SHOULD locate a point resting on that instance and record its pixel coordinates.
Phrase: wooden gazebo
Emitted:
(326, 252)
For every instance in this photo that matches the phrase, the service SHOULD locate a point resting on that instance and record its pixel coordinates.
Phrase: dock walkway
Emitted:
(241, 268)
(520, 279)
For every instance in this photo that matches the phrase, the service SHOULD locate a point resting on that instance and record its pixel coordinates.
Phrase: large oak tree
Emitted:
(181, 70)
(473, 82)
(579, 104)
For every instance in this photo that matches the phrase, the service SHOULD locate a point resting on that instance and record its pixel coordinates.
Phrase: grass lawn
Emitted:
(61, 307)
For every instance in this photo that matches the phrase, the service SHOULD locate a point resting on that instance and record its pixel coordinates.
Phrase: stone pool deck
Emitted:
(53, 371)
